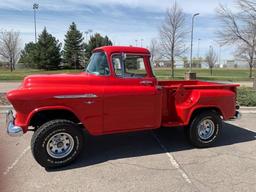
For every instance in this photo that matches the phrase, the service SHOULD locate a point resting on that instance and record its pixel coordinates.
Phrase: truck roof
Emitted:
(119, 49)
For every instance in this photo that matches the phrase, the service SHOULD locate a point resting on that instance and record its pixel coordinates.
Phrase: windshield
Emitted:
(98, 64)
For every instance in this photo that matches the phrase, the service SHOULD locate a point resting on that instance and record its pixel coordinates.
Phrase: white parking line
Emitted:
(16, 161)
(174, 163)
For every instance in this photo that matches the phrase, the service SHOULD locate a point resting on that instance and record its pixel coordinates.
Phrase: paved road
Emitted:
(7, 86)
(145, 161)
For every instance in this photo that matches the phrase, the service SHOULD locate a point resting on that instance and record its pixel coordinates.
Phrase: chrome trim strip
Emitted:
(76, 96)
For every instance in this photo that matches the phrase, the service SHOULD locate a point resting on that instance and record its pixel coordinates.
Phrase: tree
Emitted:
(211, 59)
(246, 53)
(250, 7)
(154, 51)
(96, 41)
(172, 34)
(47, 55)
(239, 28)
(73, 47)
(28, 55)
(10, 47)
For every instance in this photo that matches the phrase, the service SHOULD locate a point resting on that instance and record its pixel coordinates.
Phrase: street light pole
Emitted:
(35, 7)
(141, 42)
(192, 36)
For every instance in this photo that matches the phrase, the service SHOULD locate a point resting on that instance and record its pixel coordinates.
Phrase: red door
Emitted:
(131, 101)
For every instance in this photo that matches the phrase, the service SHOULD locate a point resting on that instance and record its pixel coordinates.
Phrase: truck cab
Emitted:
(117, 92)
(130, 89)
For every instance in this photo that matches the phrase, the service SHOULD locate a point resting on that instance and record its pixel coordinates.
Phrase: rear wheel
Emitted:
(204, 129)
(57, 143)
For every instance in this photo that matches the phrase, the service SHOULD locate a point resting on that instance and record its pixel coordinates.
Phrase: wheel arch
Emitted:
(41, 115)
(197, 111)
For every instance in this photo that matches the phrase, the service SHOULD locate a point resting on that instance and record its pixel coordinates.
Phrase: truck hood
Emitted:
(60, 80)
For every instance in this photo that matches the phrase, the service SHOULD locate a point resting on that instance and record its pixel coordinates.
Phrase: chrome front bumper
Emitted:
(12, 129)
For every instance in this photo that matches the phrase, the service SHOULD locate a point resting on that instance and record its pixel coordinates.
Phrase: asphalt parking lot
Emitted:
(160, 160)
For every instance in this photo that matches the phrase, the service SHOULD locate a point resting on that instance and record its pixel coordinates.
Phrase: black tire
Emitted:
(40, 143)
(193, 129)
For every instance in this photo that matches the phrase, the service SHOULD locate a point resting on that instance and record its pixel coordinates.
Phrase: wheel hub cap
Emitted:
(206, 129)
(60, 145)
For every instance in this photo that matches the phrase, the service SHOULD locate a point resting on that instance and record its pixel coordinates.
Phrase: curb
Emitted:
(248, 108)
(6, 107)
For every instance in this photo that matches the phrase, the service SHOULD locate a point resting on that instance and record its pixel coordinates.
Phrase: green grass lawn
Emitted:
(204, 74)
(233, 75)
(19, 74)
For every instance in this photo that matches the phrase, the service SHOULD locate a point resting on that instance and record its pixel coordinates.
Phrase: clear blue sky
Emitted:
(123, 21)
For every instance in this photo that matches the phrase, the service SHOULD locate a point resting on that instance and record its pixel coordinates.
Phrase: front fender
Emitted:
(23, 120)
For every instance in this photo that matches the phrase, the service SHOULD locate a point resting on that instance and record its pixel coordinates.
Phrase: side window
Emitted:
(133, 66)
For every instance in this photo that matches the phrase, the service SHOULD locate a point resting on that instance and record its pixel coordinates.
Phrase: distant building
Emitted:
(235, 64)
(179, 64)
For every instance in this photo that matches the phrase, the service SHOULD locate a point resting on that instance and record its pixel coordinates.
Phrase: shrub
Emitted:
(246, 96)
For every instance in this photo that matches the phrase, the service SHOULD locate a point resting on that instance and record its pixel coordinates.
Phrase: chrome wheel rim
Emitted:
(60, 145)
(206, 129)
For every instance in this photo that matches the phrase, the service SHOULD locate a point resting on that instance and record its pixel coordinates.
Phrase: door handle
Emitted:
(89, 102)
(146, 82)
(159, 88)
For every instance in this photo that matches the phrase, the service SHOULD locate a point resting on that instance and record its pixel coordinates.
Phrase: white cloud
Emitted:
(141, 19)
(189, 6)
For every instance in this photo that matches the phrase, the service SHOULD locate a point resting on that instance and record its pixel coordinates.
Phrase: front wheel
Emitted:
(57, 143)
(204, 129)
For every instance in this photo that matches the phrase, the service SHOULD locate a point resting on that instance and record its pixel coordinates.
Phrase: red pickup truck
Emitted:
(118, 92)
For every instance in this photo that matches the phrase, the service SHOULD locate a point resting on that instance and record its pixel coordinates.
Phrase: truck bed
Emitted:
(182, 97)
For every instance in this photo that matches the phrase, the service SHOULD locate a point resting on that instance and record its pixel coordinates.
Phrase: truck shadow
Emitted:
(110, 147)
